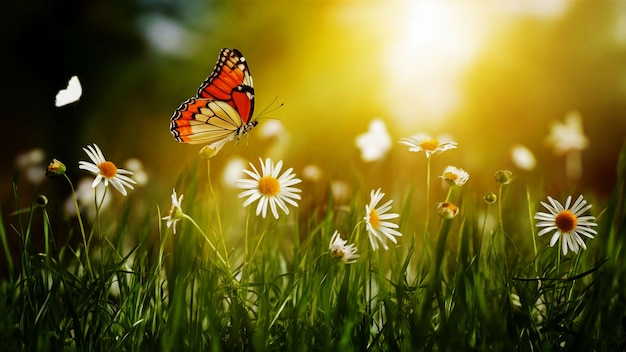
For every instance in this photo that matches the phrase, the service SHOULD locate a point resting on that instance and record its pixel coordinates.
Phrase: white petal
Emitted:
(546, 230)
(555, 238)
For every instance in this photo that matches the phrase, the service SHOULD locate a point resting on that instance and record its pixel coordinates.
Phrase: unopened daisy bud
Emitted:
(503, 177)
(55, 169)
(490, 198)
(41, 201)
(447, 210)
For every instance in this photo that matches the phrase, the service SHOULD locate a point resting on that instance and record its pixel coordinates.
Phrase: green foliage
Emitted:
(283, 291)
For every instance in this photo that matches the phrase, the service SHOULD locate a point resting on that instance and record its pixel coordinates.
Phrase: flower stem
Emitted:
(427, 197)
(217, 211)
(530, 215)
(501, 240)
(80, 222)
(482, 232)
(206, 238)
(573, 166)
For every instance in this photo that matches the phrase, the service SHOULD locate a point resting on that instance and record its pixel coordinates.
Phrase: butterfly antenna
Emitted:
(267, 109)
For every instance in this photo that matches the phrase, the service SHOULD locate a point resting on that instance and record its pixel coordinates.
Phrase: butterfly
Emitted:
(222, 109)
(70, 94)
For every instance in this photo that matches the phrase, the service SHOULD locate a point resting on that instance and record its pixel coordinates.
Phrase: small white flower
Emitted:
(568, 136)
(233, 171)
(374, 218)
(272, 129)
(105, 170)
(339, 250)
(523, 158)
(454, 176)
(447, 210)
(424, 143)
(567, 223)
(31, 164)
(312, 173)
(136, 167)
(269, 188)
(176, 212)
(85, 196)
(341, 192)
(374, 143)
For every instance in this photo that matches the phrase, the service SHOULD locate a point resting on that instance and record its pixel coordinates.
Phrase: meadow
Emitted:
(376, 272)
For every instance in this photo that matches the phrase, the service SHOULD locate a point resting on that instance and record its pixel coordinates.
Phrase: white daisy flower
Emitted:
(567, 136)
(567, 223)
(106, 171)
(447, 210)
(374, 218)
(30, 164)
(176, 212)
(135, 166)
(523, 158)
(454, 176)
(85, 196)
(339, 250)
(269, 188)
(424, 143)
(374, 143)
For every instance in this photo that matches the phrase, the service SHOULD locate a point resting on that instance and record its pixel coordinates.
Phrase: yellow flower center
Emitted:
(337, 253)
(566, 221)
(374, 219)
(429, 144)
(450, 176)
(108, 169)
(269, 186)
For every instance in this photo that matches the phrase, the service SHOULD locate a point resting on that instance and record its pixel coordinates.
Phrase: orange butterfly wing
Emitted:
(223, 106)
(231, 82)
(205, 121)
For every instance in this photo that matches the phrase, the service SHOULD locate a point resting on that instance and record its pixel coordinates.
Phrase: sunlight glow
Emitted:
(433, 42)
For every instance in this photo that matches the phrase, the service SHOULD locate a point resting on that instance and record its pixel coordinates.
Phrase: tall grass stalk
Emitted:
(152, 290)
(80, 222)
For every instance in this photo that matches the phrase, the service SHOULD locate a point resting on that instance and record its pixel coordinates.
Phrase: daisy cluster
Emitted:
(274, 188)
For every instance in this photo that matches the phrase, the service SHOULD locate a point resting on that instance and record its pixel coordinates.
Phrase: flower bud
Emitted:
(503, 177)
(208, 151)
(41, 201)
(490, 198)
(55, 169)
(447, 210)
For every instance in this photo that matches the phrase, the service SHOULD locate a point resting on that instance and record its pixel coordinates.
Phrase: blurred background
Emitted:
(489, 74)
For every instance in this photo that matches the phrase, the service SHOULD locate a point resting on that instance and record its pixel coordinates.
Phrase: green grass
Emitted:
(463, 286)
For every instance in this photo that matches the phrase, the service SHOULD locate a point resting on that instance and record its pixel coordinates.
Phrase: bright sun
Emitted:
(432, 43)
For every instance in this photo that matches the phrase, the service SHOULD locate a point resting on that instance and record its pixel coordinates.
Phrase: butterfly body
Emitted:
(223, 106)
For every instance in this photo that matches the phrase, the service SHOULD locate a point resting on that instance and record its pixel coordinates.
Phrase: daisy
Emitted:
(376, 227)
(567, 223)
(106, 170)
(424, 143)
(176, 212)
(339, 250)
(454, 176)
(568, 136)
(447, 210)
(269, 188)
(523, 158)
(375, 143)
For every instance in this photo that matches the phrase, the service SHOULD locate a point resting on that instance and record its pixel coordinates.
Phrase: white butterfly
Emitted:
(70, 94)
